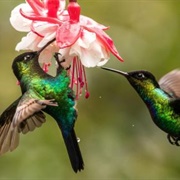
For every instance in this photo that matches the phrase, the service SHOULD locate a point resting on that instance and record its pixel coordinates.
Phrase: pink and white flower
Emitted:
(79, 39)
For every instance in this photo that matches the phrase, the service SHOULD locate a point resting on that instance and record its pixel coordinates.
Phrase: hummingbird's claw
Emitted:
(61, 61)
(68, 67)
(50, 102)
(56, 56)
(177, 141)
(173, 140)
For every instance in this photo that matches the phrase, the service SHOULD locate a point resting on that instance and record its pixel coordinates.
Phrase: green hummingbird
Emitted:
(40, 92)
(161, 98)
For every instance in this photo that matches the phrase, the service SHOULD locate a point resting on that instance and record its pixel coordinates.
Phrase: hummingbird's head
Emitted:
(22, 63)
(26, 62)
(140, 80)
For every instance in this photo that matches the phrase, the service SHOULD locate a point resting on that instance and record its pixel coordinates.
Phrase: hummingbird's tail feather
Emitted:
(74, 151)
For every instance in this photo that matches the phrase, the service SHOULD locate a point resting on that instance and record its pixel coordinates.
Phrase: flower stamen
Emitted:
(78, 78)
(87, 94)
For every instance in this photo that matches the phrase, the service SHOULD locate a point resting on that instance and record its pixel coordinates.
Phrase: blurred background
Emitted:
(118, 138)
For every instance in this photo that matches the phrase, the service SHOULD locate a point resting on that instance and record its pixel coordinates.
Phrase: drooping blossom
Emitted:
(80, 40)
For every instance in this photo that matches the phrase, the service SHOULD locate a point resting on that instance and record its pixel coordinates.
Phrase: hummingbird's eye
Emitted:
(140, 76)
(27, 57)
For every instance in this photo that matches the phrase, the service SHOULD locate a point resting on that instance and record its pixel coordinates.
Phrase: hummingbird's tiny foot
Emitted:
(62, 61)
(56, 55)
(59, 62)
(50, 102)
(171, 139)
(177, 141)
(68, 67)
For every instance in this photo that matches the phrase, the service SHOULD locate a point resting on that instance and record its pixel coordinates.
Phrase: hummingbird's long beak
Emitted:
(38, 52)
(116, 71)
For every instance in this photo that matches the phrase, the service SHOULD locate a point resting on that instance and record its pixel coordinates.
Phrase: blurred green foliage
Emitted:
(118, 138)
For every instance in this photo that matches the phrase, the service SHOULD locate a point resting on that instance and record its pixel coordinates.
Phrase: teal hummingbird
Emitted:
(41, 92)
(162, 98)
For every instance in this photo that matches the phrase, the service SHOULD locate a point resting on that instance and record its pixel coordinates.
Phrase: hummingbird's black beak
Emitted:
(116, 71)
(38, 52)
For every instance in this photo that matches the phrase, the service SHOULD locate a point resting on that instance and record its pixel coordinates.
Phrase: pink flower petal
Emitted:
(67, 34)
(34, 17)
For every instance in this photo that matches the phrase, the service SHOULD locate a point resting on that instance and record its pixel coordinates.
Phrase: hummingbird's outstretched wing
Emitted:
(5, 124)
(30, 103)
(32, 122)
(21, 116)
(170, 83)
(9, 141)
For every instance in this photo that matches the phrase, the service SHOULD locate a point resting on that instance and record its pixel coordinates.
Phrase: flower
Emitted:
(80, 40)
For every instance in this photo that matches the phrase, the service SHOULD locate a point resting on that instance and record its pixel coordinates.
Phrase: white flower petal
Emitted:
(102, 62)
(29, 42)
(86, 21)
(75, 50)
(34, 42)
(62, 4)
(46, 39)
(18, 21)
(86, 39)
(89, 49)
(92, 54)
(64, 52)
(88, 59)
(44, 28)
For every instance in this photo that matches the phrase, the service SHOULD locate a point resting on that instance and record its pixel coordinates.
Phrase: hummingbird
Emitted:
(162, 98)
(41, 93)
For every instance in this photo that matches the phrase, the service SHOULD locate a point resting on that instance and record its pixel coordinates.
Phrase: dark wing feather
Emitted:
(21, 116)
(30, 104)
(32, 122)
(170, 83)
(7, 115)
(9, 138)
